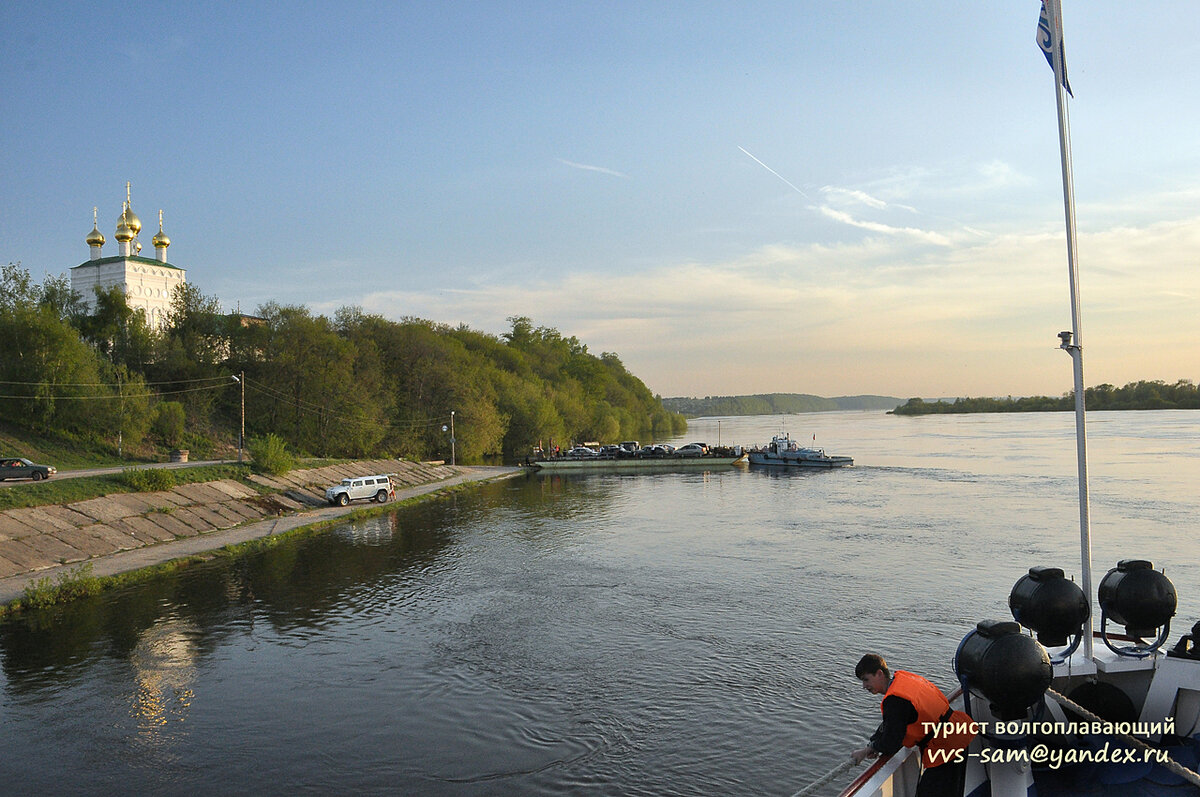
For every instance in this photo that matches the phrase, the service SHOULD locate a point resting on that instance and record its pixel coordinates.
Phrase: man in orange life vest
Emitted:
(912, 707)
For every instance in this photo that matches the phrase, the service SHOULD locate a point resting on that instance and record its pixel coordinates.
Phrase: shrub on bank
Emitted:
(77, 583)
(148, 480)
(270, 455)
(169, 422)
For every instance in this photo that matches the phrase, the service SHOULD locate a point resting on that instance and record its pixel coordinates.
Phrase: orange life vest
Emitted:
(932, 709)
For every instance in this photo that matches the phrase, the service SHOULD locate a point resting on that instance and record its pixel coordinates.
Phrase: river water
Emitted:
(667, 633)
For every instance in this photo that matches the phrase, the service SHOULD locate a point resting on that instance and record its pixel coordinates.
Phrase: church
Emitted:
(148, 283)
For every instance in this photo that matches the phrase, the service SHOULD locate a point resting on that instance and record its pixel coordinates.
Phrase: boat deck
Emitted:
(1093, 779)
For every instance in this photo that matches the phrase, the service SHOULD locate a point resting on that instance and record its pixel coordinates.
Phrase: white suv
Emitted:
(378, 487)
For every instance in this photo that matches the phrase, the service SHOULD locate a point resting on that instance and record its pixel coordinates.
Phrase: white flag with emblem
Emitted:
(1044, 40)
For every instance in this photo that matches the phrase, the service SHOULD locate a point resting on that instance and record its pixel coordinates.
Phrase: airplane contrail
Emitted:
(772, 171)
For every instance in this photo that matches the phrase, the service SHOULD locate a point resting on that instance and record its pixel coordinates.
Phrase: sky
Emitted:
(750, 197)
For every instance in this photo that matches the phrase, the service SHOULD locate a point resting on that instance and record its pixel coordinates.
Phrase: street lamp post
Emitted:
(450, 429)
(121, 422)
(241, 380)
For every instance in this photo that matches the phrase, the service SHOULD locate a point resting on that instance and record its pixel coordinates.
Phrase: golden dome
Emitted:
(95, 237)
(160, 241)
(130, 220)
(124, 234)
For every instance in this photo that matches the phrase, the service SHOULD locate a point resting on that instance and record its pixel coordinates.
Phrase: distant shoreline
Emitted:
(775, 404)
(1181, 395)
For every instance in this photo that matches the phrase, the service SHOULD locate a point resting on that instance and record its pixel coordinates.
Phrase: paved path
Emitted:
(76, 474)
(123, 561)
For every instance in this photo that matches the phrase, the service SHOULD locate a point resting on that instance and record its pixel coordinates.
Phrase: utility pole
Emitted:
(241, 380)
(452, 461)
(121, 421)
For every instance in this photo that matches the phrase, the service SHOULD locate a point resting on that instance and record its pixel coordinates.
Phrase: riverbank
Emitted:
(118, 534)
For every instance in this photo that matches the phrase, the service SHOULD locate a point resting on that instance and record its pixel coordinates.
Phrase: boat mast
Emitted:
(1072, 342)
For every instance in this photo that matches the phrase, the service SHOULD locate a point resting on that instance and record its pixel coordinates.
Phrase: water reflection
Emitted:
(777, 472)
(675, 633)
(164, 666)
(295, 584)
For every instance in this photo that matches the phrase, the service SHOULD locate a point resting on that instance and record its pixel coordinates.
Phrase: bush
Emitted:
(270, 455)
(168, 423)
(77, 583)
(148, 480)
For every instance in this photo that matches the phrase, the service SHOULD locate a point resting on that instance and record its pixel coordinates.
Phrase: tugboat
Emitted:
(785, 451)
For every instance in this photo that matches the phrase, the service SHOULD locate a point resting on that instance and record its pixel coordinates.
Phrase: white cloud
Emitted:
(587, 168)
(890, 314)
(886, 229)
(997, 174)
(853, 195)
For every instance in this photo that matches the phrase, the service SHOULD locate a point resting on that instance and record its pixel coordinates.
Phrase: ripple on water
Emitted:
(661, 634)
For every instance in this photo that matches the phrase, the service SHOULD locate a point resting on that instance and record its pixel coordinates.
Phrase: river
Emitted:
(653, 634)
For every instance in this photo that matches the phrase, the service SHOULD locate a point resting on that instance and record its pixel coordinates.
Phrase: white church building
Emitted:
(148, 283)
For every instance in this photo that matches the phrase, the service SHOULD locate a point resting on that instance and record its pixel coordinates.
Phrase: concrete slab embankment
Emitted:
(128, 531)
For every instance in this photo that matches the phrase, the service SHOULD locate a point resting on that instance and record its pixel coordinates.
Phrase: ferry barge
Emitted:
(691, 456)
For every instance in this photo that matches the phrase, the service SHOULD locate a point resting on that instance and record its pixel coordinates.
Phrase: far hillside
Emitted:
(775, 404)
(86, 380)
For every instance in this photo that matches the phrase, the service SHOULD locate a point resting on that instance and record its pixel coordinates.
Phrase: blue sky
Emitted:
(833, 198)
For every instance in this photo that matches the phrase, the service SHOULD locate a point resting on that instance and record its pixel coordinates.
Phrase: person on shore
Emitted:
(914, 713)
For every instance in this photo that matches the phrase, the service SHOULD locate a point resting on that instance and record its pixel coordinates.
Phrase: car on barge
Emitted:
(651, 456)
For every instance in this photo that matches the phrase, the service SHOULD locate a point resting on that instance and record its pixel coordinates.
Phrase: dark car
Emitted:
(21, 468)
(657, 450)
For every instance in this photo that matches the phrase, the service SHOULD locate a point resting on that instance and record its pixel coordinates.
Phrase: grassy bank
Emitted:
(81, 583)
(61, 452)
(68, 491)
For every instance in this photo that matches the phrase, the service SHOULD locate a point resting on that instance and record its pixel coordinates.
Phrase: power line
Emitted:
(118, 395)
(312, 409)
(301, 405)
(223, 379)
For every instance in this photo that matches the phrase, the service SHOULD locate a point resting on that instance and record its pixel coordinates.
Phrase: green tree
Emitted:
(17, 289)
(311, 393)
(125, 413)
(118, 331)
(169, 420)
(61, 299)
(191, 350)
(53, 378)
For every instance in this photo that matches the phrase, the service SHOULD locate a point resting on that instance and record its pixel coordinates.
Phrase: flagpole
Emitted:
(1072, 342)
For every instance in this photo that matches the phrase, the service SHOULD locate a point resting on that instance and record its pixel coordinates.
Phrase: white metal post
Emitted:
(1073, 344)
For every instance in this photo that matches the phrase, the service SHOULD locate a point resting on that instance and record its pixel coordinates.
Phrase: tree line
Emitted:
(1142, 395)
(774, 404)
(354, 385)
